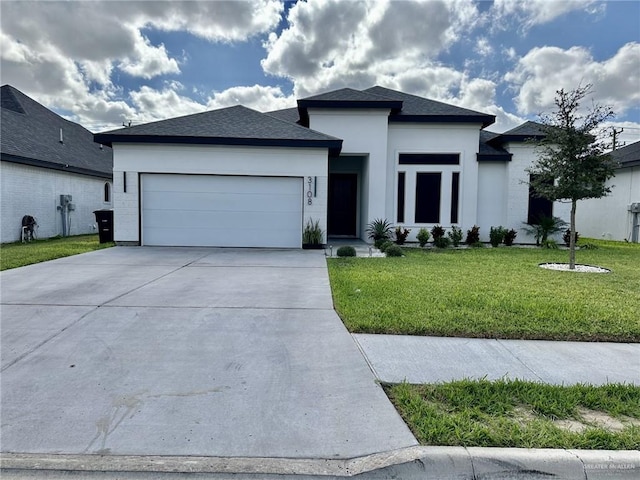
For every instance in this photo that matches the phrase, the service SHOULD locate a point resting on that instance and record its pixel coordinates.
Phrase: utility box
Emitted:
(104, 219)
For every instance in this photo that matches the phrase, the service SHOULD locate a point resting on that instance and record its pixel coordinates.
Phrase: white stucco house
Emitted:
(616, 216)
(50, 169)
(237, 177)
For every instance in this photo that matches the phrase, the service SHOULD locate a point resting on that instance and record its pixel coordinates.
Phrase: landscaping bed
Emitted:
(492, 293)
(13, 255)
(521, 414)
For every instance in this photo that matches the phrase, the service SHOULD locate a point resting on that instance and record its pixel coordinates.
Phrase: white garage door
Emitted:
(221, 211)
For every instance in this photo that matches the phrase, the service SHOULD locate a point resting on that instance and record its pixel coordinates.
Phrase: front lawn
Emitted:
(18, 254)
(521, 414)
(492, 293)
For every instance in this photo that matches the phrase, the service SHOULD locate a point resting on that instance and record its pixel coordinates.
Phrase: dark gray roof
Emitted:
(288, 114)
(31, 136)
(350, 98)
(236, 125)
(628, 156)
(419, 109)
(491, 153)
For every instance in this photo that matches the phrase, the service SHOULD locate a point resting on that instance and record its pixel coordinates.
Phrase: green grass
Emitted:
(520, 414)
(13, 255)
(492, 293)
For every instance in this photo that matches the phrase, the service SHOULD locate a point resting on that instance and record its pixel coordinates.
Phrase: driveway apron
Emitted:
(186, 351)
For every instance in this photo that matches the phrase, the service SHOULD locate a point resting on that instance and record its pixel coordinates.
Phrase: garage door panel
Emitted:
(210, 219)
(213, 201)
(209, 210)
(251, 237)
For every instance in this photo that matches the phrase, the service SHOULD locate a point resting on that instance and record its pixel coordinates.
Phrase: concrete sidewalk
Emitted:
(399, 358)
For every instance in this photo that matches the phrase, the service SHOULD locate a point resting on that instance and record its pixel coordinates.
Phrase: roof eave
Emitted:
(494, 157)
(334, 146)
(34, 162)
(484, 120)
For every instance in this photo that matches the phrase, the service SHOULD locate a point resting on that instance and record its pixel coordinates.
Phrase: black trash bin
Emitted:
(104, 218)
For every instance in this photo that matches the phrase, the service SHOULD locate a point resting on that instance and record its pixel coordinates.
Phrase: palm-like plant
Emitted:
(546, 226)
(379, 229)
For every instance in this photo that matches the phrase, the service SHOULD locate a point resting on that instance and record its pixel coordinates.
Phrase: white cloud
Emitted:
(331, 44)
(64, 54)
(258, 97)
(536, 12)
(542, 71)
(147, 61)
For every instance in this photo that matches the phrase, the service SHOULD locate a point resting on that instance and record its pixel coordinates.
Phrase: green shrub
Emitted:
(379, 229)
(346, 251)
(386, 244)
(509, 237)
(436, 232)
(442, 242)
(401, 235)
(379, 242)
(473, 235)
(567, 237)
(393, 251)
(550, 244)
(455, 235)
(312, 233)
(496, 235)
(423, 236)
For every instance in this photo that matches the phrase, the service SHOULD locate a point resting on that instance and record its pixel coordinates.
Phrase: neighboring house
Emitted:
(43, 158)
(616, 216)
(237, 177)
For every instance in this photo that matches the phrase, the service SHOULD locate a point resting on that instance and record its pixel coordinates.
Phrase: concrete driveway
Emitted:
(186, 351)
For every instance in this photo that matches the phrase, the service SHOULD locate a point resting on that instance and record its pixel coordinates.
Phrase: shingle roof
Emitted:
(419, 109)
(350, 98)
(236, 125)
(491, 153)
(31, 136)
(628, 156)
(288, 114)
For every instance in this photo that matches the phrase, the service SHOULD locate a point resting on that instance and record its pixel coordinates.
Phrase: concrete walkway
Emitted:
(398, 358)
(186, 351)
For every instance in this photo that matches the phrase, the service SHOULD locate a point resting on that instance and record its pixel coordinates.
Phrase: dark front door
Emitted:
(343, 204)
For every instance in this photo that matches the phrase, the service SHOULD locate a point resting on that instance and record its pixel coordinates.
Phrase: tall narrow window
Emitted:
(107, 192)
(428, 197)
(401, 183)
(539, 207)
(455, 196)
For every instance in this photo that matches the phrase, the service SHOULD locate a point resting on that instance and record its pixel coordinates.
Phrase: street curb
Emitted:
(409, 463)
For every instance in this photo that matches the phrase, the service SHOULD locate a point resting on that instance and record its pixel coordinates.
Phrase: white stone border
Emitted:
(564, 267)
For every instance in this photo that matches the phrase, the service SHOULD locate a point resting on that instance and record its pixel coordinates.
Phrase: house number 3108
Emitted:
(310, 191)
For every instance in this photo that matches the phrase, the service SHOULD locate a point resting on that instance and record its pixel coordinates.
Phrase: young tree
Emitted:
(571, 163)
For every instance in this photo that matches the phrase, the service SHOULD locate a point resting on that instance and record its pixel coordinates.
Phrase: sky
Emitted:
(102, 63)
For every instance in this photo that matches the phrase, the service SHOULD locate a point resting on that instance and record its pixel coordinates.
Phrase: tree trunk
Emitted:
(572, 236)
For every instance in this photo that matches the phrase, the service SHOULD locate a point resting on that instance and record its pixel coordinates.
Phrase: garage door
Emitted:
(221, 211)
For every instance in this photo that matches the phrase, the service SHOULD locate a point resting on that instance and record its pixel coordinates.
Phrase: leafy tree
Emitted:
(571, 163)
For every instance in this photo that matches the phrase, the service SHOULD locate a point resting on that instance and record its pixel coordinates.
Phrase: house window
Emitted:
(401, 184)
(428, 186)
(455, 196)
(107, 192)
(429, 159)
(539, 207)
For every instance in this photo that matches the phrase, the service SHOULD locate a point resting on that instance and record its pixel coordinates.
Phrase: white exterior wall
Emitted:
(609, 217)
(364, 132)
(35, 191)
(212, 160)
(492, 196)
(434, 138)
(524, 157)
